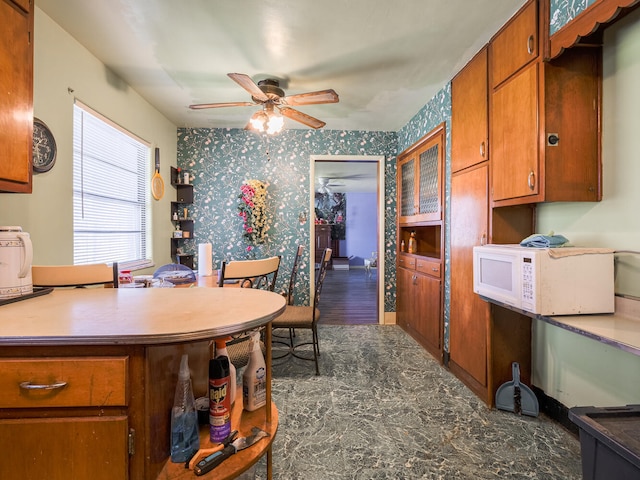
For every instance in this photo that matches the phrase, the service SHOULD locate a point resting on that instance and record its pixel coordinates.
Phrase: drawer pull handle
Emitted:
(35, 386)
(434, 269)
(482, 150)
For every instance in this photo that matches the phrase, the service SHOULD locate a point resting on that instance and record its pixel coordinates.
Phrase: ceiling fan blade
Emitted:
(312, 98)
(249, 85)
(302, 117)
(200, 106)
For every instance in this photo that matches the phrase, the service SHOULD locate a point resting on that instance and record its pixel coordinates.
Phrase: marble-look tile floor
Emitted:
(383, 408)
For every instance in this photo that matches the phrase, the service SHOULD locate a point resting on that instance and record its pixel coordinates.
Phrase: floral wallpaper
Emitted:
(435, 112)
(563, 11)
(220, 160)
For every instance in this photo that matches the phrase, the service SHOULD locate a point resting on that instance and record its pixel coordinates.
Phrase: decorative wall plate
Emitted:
(44, 147)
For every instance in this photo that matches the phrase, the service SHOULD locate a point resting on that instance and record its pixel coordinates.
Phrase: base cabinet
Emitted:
(419, 302)
(112, 418)
(93, 447)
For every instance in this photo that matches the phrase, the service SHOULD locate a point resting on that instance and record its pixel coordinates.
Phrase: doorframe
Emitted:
(380, 164)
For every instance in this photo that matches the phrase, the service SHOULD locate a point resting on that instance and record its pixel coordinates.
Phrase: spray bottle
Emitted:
(221, 351)
(219, 399)
(254, 380)
(185, 440)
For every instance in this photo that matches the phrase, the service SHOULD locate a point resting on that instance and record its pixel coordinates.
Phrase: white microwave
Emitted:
(546, 281)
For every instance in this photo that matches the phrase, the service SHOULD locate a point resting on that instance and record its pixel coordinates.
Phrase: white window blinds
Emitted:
(110, 192)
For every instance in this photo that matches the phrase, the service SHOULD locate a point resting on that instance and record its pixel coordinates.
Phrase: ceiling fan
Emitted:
(275, 103)
(325, 185)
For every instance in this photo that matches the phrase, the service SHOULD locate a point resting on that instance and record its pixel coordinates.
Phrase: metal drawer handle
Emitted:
(434, 269)
(482, 151)
(35, 386)
(530, 45)
(531, 180)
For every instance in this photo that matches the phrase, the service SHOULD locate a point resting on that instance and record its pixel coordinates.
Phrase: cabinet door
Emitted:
(420, 179)
(407, 204)
(469, 316)
(16, 105)
(469, 114)
(515, 45)
(514, 137)
(429, 181)
(404, 279)
(426, 319)
(78, 448)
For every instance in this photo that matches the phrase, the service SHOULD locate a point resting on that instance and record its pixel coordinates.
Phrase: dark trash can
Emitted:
(609, 441)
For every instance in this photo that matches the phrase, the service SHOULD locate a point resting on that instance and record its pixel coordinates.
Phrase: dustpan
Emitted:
(516, 397)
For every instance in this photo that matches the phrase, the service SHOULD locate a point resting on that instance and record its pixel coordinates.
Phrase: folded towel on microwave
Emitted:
(571, 251)
(544, 241)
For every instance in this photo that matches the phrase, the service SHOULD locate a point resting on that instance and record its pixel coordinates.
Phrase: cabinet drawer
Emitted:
(406, 261)
(428, 267)
(63, 382)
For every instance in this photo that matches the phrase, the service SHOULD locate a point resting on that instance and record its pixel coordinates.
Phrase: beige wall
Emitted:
(61, 64)
(573, 369)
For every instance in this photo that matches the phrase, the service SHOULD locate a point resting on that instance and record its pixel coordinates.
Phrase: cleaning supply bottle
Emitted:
(413, 244)
(221, 351)
(219, 399)
(185, 440)
(254, 380)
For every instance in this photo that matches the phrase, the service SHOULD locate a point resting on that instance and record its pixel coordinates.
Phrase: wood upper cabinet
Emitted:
(23, 4)
(545, 127)
(420, 179)
(516, 44)
(16, 96)
(514, 136)
(469, 114)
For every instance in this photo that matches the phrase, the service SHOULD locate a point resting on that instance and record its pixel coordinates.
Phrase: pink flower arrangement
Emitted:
(252, 210)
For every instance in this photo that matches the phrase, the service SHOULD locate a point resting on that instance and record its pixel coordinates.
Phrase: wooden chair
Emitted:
(306, 317)
(290, 294)
(261, 273)
(294, 275)
(75, 275)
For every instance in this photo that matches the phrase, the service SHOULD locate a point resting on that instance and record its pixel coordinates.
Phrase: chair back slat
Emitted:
(74, 275)
(322, 271)
(261, 273)
(294, 274)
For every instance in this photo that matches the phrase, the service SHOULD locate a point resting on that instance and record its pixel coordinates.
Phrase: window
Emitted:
(111, 201)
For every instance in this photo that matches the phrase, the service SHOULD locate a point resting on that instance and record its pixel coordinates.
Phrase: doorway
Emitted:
(361, 177)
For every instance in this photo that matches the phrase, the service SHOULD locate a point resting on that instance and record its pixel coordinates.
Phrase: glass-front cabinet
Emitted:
(420, 172)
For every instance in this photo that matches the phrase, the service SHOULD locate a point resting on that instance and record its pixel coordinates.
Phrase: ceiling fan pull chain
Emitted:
(265, 139)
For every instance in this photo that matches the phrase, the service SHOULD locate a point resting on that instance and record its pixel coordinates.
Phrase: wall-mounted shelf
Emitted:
(181, 219)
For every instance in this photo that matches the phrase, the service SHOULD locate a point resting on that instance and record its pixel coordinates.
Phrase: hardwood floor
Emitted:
(349, 297)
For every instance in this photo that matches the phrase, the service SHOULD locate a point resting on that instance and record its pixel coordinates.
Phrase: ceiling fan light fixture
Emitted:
(267, 120)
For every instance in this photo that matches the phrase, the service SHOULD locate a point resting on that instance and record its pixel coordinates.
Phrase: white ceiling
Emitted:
(384, 58)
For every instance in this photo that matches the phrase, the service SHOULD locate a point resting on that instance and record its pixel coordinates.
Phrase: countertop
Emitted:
(620, 329)
(146, 316)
